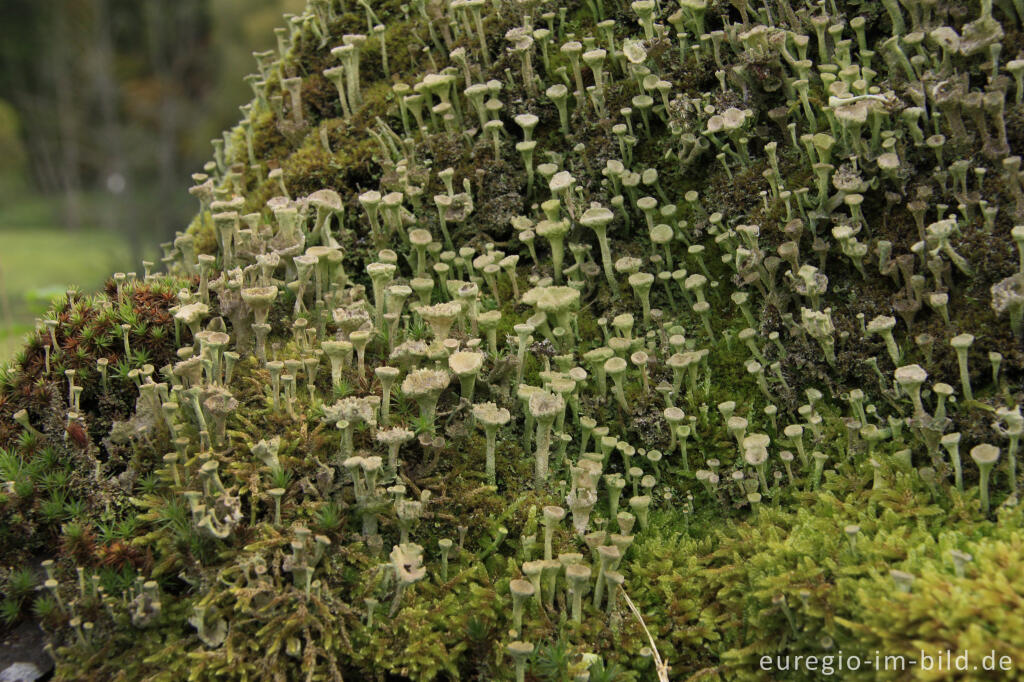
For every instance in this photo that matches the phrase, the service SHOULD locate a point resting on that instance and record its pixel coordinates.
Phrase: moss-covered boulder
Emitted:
(522, 340)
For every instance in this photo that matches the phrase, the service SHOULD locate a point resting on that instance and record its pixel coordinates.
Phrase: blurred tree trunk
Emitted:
(61, 67)
(29, 82)
(174, 35)
(110, 155)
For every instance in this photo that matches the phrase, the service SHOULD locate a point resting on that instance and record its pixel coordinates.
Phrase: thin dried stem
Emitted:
(659, 665)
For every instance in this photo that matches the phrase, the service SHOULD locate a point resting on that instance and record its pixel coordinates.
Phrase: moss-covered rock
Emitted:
(728, 473)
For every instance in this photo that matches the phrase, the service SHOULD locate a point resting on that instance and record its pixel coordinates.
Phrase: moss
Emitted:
(201, 229)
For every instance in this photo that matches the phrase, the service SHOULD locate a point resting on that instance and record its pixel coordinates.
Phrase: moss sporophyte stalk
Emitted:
(602, 340)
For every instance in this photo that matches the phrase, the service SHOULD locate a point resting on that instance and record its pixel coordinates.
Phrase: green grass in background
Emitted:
(39, 260)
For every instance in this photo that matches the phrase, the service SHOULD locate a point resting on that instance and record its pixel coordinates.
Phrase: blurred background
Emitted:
(106, 109)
